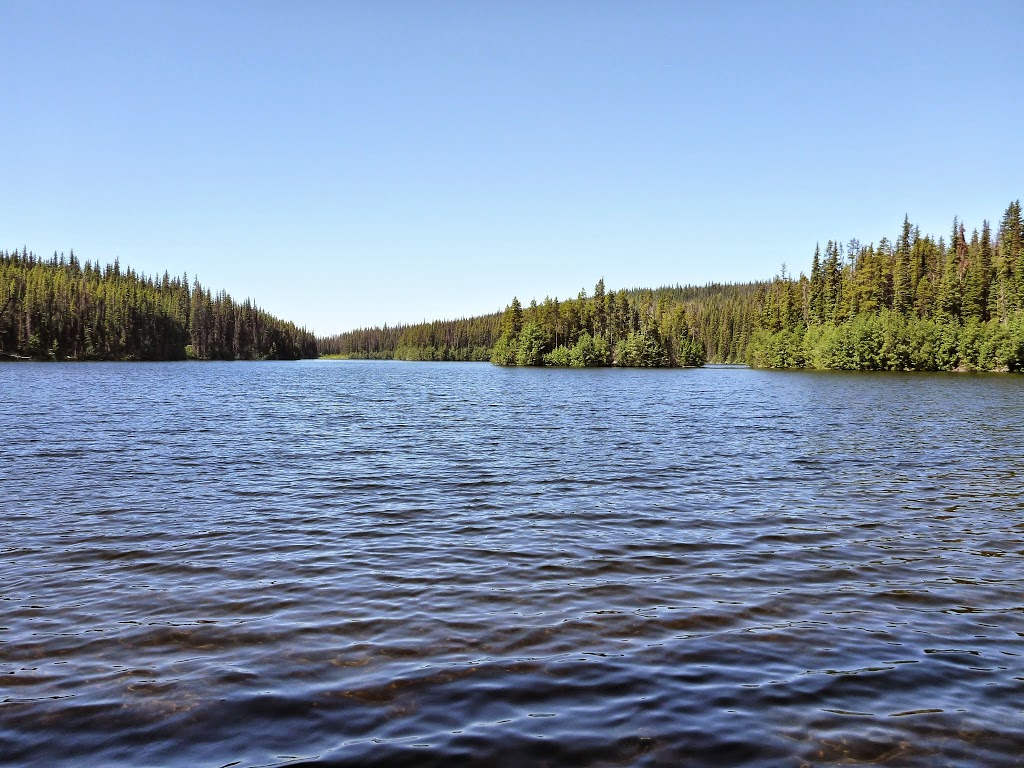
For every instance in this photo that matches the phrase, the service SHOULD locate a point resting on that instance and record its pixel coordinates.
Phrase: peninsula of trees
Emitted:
(635, 327)
(604, 329)
(919, 303)
(60, 309)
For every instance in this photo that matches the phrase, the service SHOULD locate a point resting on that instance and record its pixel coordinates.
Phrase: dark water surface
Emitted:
(382, 563)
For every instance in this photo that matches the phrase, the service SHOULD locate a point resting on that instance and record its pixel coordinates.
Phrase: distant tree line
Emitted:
(916, 304)
(62, 309)
(465, 340)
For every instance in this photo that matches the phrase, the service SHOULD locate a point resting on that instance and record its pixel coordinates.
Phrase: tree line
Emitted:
(918, 303)
(606, 328)
(673, 325)
(61, 309)
(464, 340)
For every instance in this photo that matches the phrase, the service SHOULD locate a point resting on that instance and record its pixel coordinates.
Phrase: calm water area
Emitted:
(378, 563)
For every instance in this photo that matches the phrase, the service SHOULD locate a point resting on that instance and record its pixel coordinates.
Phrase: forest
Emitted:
(465, 340)
(61, 309)
(918, 303)
(680, 325)
(640, 329)
(914, 303)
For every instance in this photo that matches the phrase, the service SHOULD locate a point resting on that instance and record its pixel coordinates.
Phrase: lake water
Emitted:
(354, 563)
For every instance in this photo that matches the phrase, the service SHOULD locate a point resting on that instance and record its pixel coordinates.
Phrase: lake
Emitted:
(353, 563)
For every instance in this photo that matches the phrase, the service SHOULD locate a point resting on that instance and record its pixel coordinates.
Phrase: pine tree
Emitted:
(1011, 250)
(816, 298)
(902, 298)
(985, 269)
(832, 294)
(600, 321)
(512, 323)
(950, 298)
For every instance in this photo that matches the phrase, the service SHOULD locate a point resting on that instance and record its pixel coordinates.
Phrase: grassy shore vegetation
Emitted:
(60, 309)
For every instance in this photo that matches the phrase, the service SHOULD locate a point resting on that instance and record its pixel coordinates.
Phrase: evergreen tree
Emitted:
(978, 277)
(512, 323)
(949, 286)
(832, 294)
(902, 291)
(1011, 258)
(817, 291)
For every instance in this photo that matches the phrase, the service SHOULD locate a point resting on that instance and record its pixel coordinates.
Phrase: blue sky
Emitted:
(351, 164)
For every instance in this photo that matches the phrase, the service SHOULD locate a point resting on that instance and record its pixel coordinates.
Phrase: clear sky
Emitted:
(356, 163)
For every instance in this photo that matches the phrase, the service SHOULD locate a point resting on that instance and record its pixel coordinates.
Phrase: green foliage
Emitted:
(920, 306)
(694, 354)
(640, 328)
(512, 320)
(61, 309)
(588, 352)
(887, 341)
(505, 350)
(695, 324)
(464, 340)
(781, 349)
(914, 303)
(641, 350)
(442, 354)
(530, 350)
(560, 356)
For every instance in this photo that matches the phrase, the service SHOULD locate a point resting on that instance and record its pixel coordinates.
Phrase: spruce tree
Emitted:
(1011, 248)
(832, 293)
(600, 320)
(816, 300)
(902, 298)
(950, 298)
(512, 323)
(985, 268)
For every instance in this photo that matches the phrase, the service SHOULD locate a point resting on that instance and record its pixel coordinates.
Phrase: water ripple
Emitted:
(377, 563)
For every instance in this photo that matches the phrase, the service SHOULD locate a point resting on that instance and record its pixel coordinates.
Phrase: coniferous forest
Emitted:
(466, 340)
(637, 327)
(60, 309)
(916, 303)
(913, 303)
